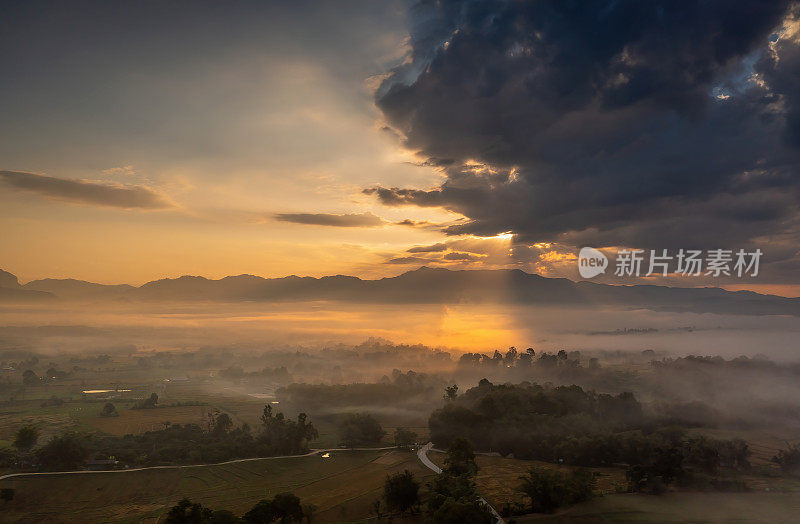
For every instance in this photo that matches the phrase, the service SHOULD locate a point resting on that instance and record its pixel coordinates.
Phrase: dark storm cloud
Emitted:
(434, 248)
(653, 123)
(414, 223)
(407, 260)
(466, 257)
(328, 219)
(84, 191)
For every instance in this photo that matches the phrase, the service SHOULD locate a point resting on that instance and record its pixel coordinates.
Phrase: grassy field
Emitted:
(342, 487)
(773, 497)
(681, 507)
(498, 477)
(763, 443)
(140, 420)
(50, 419)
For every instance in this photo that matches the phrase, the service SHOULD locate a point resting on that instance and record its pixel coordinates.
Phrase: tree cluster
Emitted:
(360, 429)
(216, 441)
(452, 494)
(550, 489)
(530, 420)
(284, 507)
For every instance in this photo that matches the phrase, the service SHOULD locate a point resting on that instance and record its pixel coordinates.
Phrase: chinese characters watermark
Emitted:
(684, 262)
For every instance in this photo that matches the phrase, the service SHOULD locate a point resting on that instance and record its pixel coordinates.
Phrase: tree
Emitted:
(223, 516)
(702, 453)
(789, 459)
(147, 403)
(550, 489)
(459, 511)
(308, 512)
(735, 453)
(262, 513)
(403, 437)
(460, 458)
(109, 410)
(401, 491)
(288, 507)
(62, 453)
(545, 488)
(187, 512)
(30, 378)
(376, 507)
(510, 357)
(305, 431)
(222, 424)
(7, 494)
(152, 401)
(360, 429)
(266, 415)
(451, 392)
(26, 437)
(667, 463)
(497, 358)
(285, 507)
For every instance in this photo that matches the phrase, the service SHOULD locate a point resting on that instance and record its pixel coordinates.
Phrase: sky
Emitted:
(142, 140)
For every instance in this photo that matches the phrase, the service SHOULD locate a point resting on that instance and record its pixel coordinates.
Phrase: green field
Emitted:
(342, 487)
(135, 421)
(498, 477)
(682, 507)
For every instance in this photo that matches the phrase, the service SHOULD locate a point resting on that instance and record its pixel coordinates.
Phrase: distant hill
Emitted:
(7, 280)
(11, 291)
(69, 288)
(424, 285)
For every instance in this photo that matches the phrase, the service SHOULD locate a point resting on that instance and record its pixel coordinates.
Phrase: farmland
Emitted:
(134, 421)
(681, 507)
(498, 477)
(342, 487)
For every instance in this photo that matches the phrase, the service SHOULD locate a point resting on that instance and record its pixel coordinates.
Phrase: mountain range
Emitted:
(423, 285)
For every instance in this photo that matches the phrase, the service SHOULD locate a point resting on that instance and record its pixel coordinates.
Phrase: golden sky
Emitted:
(137, 145)
(228, 136)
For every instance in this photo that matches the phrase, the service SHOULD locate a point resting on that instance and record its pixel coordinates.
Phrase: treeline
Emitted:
(522, 359)
(278, 374)
(738, 363)
(509, 418)
(562, 366)
(566, 424)
(283, 507)
(216, 441)
(401, 388)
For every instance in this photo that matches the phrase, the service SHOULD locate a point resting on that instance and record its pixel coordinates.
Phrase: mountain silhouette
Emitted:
(424, 286)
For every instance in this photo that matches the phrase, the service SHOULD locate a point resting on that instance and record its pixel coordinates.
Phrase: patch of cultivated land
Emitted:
(137, 421)
(51, 420)
(763, 443)
(498, 477)
(773, 498)
(342, 487)
(681, 507)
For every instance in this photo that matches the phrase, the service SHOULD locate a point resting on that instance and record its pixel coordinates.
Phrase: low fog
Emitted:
(256, 348)
(79, 327)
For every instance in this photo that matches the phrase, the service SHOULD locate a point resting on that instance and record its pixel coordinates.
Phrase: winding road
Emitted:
(422, 453)
(130, 470)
